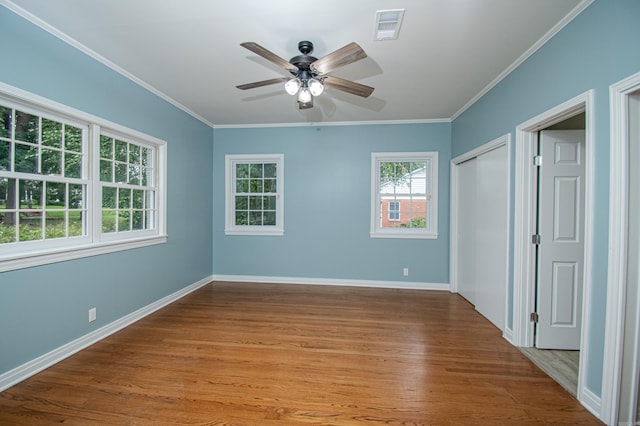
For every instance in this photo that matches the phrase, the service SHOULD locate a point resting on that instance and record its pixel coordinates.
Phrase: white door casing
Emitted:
(561, 229)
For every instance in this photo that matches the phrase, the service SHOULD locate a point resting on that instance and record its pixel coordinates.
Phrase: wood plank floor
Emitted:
(261, 354)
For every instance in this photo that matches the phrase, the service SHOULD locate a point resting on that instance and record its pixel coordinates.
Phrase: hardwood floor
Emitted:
(260, 354)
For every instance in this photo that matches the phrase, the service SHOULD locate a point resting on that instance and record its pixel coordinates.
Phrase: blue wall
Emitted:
(328, 205)
(44, 307)
(597, 49)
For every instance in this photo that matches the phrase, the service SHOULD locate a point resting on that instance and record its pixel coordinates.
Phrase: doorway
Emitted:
(621, 364)
(575, 113)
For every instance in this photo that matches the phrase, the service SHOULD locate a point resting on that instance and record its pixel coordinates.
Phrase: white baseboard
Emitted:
(409, 285)
(507, 334)
(590, 401)
(34, 366)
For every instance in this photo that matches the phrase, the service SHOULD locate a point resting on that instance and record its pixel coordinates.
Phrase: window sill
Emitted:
(257, 232)
(27, 260)
(423, 236)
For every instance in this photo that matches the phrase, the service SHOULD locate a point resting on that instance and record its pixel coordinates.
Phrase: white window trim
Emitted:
(94, 244)
(376, 231)
(230, 227)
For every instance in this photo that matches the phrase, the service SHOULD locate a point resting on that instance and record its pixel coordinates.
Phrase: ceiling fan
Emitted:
(310, 73)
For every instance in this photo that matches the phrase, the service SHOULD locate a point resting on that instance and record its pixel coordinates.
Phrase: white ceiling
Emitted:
(448, 53)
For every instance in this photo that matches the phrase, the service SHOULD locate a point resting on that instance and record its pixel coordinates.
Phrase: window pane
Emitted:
(30, 192)
(108, 197)
(55, 226)
(51, 133)
(124, 221)
(120, 173)
(76, 227)
(270, 218)
(256, 170)
(255, 218)
(134, 154)
(108, 221)
(270, 185)
(121, 151)
(7, 232)
(146, 156)
(242, 170)
(76, 196)
(72, 138)
(106, 147)
(151, 200)
(5, 155)
(5, 122)
(134, 174)
(106, 173)
(124, 198)
(255, 186)
(137, 221)
(26, 158)
(138, 199)
(72, 165)
(242, 203)
(241, 218)
(242, 185)
(51, 162)
(26, 127)
(270, 170)
(269, 203)
(56, 193)
(255, 203)
(30, 228)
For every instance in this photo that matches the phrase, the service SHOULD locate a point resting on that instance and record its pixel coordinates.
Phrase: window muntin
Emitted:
(51, 187)
(254, 202)
(404, 201)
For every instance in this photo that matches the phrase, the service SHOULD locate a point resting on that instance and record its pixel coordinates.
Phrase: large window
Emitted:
(254, 194)
(73, 185)
(404, 195)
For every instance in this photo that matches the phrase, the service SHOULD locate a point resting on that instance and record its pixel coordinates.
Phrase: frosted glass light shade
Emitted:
(304, 96)
(292, 86)
(315, 87)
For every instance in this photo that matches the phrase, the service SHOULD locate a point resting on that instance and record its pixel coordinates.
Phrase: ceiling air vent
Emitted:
(388, 24)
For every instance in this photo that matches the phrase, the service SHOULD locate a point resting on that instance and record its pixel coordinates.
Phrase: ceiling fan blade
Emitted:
(262, 83)
(268, 55)
(348, 86)
(350, 53)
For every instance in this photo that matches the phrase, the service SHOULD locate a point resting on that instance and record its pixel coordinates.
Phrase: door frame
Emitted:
(524, 227)
(504, 140)
(617, 283)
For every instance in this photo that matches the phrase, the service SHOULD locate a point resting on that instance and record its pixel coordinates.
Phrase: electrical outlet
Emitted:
(92, 314)
(405, 272)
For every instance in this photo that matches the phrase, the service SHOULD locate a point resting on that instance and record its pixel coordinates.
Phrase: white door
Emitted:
(492, 234)
(467, 226)
(561, 230)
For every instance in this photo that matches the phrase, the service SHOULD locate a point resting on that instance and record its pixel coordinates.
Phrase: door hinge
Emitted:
(535, 239)
(534, 317)
(537, 160)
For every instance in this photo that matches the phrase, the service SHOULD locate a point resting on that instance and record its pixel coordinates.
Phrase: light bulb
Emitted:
(304, 96)
(292, 86)
(315, 87)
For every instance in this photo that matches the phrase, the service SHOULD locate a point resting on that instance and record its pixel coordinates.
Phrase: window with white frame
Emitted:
(394, 210)
(254, 194)
(404, 182)
(73, 185)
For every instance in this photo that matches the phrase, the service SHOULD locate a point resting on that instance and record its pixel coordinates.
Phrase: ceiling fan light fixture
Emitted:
(304, 96)
(315, 87)
(292, 86)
